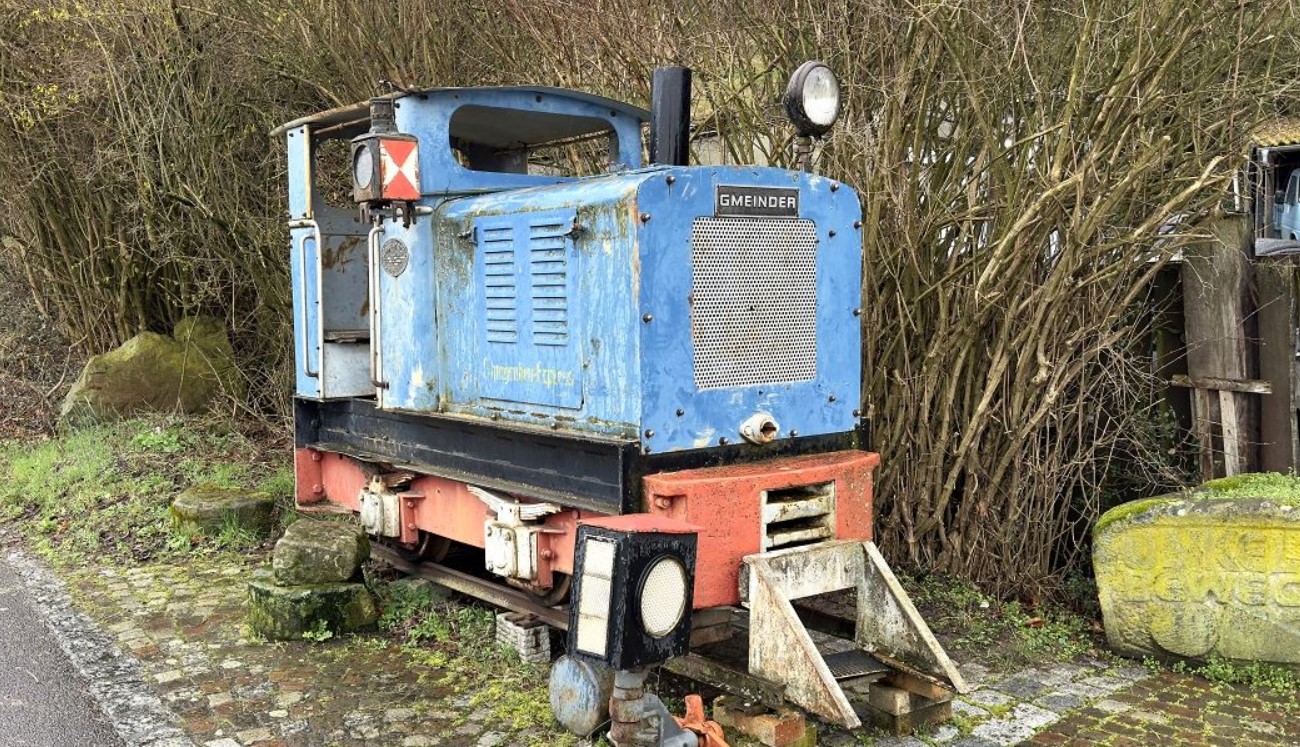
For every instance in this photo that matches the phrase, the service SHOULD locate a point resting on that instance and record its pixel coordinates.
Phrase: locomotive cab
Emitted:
(527, 346)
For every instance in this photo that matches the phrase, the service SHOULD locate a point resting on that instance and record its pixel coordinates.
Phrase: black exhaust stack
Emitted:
(670, 116)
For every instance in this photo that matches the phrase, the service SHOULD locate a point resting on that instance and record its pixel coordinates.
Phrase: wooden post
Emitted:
(1217, 276)
(1279, 317)
(1222, 401)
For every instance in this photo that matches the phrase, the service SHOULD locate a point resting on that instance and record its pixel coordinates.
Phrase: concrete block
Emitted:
(287, 612)
(318, 551)
(891, 700)
(526, 635)
(208, 509)
(918, 718)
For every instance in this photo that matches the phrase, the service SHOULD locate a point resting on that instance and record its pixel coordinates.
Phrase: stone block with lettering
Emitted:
(1211, 572)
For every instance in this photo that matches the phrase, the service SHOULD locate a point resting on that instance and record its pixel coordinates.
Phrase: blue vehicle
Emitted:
(1286, 209)
(543, 370)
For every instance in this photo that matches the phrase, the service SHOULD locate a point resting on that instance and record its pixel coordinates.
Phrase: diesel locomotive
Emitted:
(619, 392)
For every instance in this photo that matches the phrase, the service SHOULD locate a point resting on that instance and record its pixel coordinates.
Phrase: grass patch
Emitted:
(103, 493)
(978, 627)
(1267, 485)
(459, 639)
(1222, 671)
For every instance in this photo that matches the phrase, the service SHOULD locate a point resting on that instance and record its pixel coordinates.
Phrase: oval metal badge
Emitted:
(394, 257)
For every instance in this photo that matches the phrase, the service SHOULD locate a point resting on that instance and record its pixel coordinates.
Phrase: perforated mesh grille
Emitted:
(753, 301)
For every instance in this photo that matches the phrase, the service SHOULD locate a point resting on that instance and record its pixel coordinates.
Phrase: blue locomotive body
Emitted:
(619, 387)
(665, 305)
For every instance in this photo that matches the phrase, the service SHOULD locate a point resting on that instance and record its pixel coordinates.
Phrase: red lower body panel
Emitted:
(725, 502)
(432, 504)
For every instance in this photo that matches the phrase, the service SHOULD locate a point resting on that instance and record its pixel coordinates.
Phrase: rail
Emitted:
(479, 588)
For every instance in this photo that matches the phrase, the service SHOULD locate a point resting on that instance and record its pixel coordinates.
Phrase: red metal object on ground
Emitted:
(709, 732)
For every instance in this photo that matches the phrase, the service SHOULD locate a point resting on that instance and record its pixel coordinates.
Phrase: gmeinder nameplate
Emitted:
(764, 202)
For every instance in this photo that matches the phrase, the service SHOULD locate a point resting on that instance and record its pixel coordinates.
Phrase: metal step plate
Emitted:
(847, 664)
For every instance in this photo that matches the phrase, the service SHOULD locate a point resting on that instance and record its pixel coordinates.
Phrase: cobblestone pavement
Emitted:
(1179, 709)
(1095, 702)
(1006, 709)
(184, 625)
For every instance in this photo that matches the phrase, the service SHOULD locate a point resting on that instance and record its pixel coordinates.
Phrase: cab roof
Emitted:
(1279, 133)
(348, 121)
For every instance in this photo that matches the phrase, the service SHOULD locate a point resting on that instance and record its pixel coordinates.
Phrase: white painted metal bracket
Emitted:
(781, 649)
(888, 623)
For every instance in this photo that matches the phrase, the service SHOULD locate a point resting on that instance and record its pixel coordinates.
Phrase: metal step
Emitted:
(815, 667)
(848, 664)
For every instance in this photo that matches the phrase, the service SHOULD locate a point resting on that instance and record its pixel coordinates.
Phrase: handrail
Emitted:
(376, 313)
(320, 306)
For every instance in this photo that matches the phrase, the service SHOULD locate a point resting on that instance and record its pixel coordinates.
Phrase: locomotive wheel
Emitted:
(557, 594)
(429, 547)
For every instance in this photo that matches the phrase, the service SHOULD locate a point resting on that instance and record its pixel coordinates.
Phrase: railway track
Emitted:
(470, 585)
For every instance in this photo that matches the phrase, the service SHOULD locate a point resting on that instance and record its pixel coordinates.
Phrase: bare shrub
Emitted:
(1015, 161)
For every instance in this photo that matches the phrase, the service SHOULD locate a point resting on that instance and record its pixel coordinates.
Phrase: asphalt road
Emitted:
(43, 700)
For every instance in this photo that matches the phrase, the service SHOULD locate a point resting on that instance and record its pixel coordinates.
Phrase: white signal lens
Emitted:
(363, 168)
(821, 96)
(594, 602)
(663, 597)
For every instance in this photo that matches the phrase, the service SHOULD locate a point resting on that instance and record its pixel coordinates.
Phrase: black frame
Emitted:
(596, 474)
(628, 645)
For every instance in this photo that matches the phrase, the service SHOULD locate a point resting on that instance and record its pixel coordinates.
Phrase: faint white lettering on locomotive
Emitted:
(548, 377)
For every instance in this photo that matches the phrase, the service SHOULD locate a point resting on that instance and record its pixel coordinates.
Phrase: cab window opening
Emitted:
(511, 141)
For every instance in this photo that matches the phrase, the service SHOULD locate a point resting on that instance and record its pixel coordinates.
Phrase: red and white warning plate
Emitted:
(401, 169)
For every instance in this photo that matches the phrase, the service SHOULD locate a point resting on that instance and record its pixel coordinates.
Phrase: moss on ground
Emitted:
(1221, 671)
(104, 492)
(458, 639)
(975, 627)
(1267, 485)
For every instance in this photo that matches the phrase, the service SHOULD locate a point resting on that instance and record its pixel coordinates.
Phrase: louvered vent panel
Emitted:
(753, 301)
(501, 296)
(549, 281)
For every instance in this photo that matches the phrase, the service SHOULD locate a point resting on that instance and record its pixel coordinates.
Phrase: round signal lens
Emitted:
(363, 168)
(663, 597)
(821, 96)
(813, 99)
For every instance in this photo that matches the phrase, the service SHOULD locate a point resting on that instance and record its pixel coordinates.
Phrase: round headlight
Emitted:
(663, 597)
(813, 99)
(363, 168)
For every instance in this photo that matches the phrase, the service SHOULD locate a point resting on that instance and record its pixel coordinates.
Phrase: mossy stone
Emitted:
(318, 551)
(1210, 572)
(285, 613)
(209, 509)
(156, 373)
